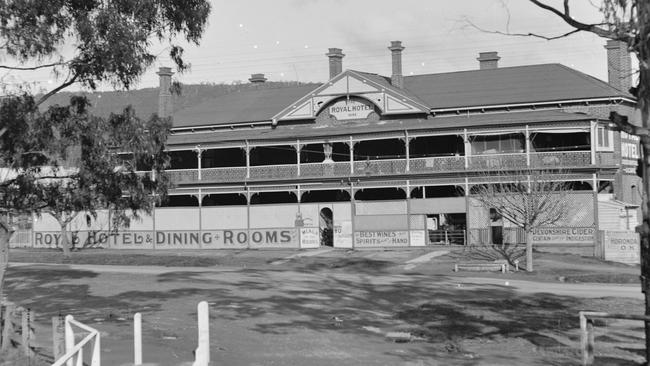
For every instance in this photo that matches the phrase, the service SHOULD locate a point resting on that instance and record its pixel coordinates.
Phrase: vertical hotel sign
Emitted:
(629, 152)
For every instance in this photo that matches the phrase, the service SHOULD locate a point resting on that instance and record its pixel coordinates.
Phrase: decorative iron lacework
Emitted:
(380, 184)
(438, 182)
(280, 188)
(523, 178)
(213, 190)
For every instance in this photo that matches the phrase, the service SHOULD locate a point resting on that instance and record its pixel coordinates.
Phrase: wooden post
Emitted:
(137, 339)
(529, 251)
(298, 148)
(8, 328)
(590, 341)
(199, 152)
(586, 339)
(58, 343)
(407, 139)
(202, 356)
(583, 338)
(527, 137)
(27, 331)
(468, 148)
(351, 147)
(69, 338)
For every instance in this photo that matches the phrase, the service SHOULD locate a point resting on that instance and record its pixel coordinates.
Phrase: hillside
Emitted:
(145, 101)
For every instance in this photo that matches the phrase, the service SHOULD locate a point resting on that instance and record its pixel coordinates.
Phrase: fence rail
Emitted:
(456, 237)
(74, 352)
(587, 330)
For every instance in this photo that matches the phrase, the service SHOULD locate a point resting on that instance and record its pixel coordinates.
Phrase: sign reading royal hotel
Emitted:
(351, 109)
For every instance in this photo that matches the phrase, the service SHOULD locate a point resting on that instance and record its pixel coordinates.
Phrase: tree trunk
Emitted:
(644, 230)
(65, 243)
(4, 258)
(643, 103)
(529, 251)
(5, 235)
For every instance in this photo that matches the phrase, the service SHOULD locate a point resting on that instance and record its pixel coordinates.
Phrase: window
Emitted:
(605, 139)
(498, 144)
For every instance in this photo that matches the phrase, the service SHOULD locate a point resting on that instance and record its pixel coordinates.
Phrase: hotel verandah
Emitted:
(365, 160)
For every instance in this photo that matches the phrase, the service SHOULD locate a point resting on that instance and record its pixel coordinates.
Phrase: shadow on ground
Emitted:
(463, 323)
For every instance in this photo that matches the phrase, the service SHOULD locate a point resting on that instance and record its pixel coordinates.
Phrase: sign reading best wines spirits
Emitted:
(351, 109)
(381, 239)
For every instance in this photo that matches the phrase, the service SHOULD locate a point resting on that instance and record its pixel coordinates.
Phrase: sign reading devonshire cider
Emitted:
(351, 109)
(563, 235)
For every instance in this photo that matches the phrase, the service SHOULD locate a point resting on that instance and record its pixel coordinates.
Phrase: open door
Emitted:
(326, 225)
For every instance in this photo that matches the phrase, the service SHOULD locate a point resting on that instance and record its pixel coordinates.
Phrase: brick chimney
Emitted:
(619, 65)
(396, 48)
(488, 60)
(165, 106)
(257, 78)
(336, 61)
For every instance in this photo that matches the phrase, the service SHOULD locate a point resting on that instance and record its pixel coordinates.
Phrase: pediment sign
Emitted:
(356, 95)
(345, 109)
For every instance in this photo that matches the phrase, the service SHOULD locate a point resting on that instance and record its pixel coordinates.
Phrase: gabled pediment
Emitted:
(374, 88)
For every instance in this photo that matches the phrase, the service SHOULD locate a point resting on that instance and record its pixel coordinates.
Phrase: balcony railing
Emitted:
(183, 175)
(560, 159)
(228, 174)
(497, 161)
(438, 164)
(380, 167)
(492, 162)
(274, 171)
(316, 170)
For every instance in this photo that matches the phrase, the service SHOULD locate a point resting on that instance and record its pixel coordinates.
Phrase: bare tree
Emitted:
(627, 21)
(528, 199)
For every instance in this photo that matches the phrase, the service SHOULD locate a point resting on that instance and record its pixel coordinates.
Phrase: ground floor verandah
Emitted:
(363, 216)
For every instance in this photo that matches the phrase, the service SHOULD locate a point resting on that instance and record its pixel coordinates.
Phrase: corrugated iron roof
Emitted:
(464, 89)
(508, 85)
(241, 107)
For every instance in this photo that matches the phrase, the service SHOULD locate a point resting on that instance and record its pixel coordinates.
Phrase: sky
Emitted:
(288, 39)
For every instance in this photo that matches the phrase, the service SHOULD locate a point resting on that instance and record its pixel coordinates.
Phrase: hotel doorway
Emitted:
(326, 226)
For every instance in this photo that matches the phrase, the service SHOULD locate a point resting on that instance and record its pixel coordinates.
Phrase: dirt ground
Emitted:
(341, 307)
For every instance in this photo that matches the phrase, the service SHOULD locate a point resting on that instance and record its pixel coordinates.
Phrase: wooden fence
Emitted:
(17, 328)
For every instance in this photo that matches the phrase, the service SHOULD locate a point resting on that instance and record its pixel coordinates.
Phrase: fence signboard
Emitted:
(563, 235)
(309, 237)
(622, 246)
(133, 240)
(418, 238)
(78, 239)
(369, 239)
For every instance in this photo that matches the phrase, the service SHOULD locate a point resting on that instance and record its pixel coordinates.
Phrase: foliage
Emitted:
(61, 159)
(528, 200)
(48, 176)
(626, 21)
(111, 41)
